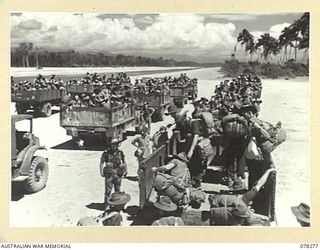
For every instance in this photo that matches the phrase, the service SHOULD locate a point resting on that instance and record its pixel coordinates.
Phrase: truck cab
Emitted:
(28, 165)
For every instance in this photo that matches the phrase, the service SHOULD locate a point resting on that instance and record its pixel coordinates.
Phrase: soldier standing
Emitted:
(146, 113)
(112, 167)
(143, 144)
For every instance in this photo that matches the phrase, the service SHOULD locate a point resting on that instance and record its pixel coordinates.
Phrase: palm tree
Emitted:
(284, 41)
(269, 45)
(245, 39)
(298, 33)
(25, 49)
(304, 26)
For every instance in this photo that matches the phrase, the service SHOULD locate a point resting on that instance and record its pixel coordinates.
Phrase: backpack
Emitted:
(234, 125)
(277, 136)
(166, 184)
(197, 197)
(207, 123)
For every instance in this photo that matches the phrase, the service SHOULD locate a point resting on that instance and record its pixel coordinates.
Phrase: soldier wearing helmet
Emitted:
(112, 167)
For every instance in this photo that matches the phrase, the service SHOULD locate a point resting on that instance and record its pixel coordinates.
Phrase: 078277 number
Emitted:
(309, 246)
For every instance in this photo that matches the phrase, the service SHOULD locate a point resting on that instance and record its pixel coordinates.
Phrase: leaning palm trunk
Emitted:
(27, 61)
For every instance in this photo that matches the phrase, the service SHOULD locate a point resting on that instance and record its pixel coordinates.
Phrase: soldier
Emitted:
(110, 217)
(236, 211)
(302, 214)
(114, 215)
(166, 213)
(146, 114)
(112, 167)
(143, 144)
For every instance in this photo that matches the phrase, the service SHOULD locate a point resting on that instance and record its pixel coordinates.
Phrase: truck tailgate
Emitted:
(96, 117)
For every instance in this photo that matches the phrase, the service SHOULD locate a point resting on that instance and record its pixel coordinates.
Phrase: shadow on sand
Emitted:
(17, 191)
(96, 206)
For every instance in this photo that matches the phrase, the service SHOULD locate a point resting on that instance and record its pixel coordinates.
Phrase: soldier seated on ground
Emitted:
(112, 216)
(233, 210)
(166, 213)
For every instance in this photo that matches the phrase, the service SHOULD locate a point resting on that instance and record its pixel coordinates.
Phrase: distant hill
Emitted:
(72, 58)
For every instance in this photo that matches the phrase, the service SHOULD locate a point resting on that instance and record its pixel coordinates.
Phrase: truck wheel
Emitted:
(46, 110)
(21, 109)
(38, 175)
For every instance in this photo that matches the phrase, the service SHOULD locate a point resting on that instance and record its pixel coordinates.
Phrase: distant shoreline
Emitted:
(72, 75)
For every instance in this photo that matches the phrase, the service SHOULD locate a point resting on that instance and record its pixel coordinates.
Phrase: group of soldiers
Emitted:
(150, 85)
(107, 92)
(102, 79)
(104, 99)
(40, 83)
(224, 131)
(230, 96)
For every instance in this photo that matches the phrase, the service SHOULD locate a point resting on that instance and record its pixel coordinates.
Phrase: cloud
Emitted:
(185, 34)
(275, 30)
(53, 28)
(234, 17)
(31, 24)
(50, 38)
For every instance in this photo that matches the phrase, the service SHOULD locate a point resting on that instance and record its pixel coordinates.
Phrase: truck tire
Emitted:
(21, 109)
(46, 110)
(38, 175)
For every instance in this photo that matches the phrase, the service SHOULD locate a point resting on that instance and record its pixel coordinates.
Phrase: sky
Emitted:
(181, 36)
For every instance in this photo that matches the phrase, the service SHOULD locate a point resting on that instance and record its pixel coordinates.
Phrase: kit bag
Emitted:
(234, 125)
(207, 123)
(277, 136)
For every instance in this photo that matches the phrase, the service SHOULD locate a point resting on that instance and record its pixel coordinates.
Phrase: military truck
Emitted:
(28, 161)
(179, 95)
(83, 123)
(158, 100)
(40, 101)
(192, 89)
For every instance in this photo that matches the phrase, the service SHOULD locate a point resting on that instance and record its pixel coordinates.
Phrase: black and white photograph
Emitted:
(160, 119)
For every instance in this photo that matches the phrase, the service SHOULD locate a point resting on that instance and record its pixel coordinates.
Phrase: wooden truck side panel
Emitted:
(36, 95)
(80, 88)
(96, 117)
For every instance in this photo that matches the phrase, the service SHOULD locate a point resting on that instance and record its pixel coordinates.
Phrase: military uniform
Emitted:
(114, 168)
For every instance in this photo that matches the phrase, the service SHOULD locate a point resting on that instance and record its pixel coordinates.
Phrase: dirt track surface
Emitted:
(75, 188)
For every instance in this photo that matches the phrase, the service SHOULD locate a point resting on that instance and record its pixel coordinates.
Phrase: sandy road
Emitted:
(75, 188)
